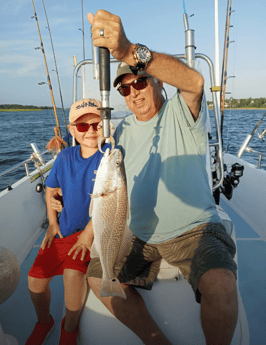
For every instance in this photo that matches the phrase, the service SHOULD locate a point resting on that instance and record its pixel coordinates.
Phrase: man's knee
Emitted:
(217, 282)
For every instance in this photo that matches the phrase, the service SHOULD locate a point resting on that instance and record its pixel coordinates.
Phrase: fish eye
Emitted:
(117, 163)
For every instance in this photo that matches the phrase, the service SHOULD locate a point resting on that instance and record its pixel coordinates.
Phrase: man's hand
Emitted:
(51, 232)
(114, 35)
(83, 243)
(56, 200)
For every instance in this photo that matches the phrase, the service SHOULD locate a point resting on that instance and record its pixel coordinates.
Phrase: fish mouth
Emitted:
(100, 142)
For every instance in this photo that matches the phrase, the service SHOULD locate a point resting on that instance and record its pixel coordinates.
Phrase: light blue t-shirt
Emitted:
(165, 162)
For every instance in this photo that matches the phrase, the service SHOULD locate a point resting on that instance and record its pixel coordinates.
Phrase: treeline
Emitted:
(19, 106)
(244, 103)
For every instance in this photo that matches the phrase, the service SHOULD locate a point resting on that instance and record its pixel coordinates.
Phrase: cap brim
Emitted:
(119, 78)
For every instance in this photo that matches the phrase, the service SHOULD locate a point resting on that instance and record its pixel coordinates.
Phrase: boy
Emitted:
(73, 172)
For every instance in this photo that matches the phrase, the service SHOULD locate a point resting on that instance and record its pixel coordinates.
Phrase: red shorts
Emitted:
(52, 261)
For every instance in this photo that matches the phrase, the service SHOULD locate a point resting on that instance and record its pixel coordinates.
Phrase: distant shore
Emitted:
(19, 110)
(211, 108)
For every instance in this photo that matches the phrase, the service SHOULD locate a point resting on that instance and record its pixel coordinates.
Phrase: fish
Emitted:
(109, 213)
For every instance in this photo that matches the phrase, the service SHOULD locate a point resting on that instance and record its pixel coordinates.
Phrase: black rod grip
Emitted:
(104, 59)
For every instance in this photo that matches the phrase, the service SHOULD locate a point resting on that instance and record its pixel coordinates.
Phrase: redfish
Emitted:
(109, 212)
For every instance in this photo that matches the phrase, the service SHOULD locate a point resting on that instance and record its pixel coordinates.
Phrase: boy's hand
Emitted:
(51, 232)
(83, 244)
(56, 200)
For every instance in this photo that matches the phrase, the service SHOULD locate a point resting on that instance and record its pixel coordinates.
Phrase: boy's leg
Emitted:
(41, 297)
(75, 293)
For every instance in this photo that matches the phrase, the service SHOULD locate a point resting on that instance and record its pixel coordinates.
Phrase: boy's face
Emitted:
(89, 138)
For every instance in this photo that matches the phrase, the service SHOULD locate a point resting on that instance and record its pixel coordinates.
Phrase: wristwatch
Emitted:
(142, 55)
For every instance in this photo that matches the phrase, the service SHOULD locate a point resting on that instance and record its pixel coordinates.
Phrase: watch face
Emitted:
(144, 54)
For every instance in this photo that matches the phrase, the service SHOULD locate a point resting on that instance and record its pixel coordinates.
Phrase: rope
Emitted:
(56, 143)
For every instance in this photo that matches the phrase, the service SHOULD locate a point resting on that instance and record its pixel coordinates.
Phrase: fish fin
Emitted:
(112, 287)
(91, 206)
(125, 244)
(127, 210)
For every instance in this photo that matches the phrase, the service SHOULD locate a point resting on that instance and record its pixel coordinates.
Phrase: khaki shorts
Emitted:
(195, 252)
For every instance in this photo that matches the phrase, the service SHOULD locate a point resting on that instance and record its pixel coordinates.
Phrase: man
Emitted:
(172, 211)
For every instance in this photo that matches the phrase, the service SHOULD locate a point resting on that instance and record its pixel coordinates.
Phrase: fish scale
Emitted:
(109, 209)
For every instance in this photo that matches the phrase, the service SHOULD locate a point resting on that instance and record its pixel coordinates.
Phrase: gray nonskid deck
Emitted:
(17, 315)
(251, 249)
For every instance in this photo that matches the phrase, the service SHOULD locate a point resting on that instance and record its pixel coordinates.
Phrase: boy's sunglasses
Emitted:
(84, 127)
(138, 84)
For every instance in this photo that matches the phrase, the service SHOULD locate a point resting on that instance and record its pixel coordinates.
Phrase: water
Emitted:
(237, 125)
(19, 129)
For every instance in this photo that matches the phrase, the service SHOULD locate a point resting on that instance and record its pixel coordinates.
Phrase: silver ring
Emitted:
(102, 33)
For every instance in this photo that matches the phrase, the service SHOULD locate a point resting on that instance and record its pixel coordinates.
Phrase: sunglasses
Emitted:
(84, 127)
(138, 84)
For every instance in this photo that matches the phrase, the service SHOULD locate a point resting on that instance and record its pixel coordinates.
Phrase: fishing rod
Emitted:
(57, 74)
(101, 72)
(47, 72)
(225, 59)
(249, 137)
(105, 87)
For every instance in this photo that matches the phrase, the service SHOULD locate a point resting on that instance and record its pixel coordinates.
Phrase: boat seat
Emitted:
(169, 272)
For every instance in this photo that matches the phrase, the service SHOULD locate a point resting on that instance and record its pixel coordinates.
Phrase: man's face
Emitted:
(145, 103)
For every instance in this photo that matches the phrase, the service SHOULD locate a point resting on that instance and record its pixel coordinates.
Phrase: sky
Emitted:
(157, 24)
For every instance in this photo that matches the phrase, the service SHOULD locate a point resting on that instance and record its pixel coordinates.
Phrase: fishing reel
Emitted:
(232, 180)
(261, 135)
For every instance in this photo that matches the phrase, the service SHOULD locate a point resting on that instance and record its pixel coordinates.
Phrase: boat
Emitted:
(240, 194)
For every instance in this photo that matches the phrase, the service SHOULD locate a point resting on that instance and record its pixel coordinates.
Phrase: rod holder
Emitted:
(105, 86)
(95, 61)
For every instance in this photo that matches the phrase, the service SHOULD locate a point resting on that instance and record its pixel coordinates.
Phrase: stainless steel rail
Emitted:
(260, 154)
(26, 162)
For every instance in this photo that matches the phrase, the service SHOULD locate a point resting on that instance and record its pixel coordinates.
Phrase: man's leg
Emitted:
(41, 297)
(75, 293)
(219, 307)
(132, 312)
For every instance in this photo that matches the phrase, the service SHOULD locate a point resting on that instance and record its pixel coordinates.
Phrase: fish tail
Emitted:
(112, 287)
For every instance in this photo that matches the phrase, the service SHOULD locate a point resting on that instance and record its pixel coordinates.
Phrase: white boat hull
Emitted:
(249, 198)
(22, 214)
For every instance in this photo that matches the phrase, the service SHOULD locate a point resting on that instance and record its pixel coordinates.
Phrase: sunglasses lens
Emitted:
(124, 90)
(95, 126)
(83, 127)
(138, 84)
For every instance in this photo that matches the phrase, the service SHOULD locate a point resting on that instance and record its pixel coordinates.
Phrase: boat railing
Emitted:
(244, 147)
(260, 155)
(36, 158)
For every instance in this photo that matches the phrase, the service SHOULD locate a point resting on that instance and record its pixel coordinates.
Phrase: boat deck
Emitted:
(251, 249)
(17, 316)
